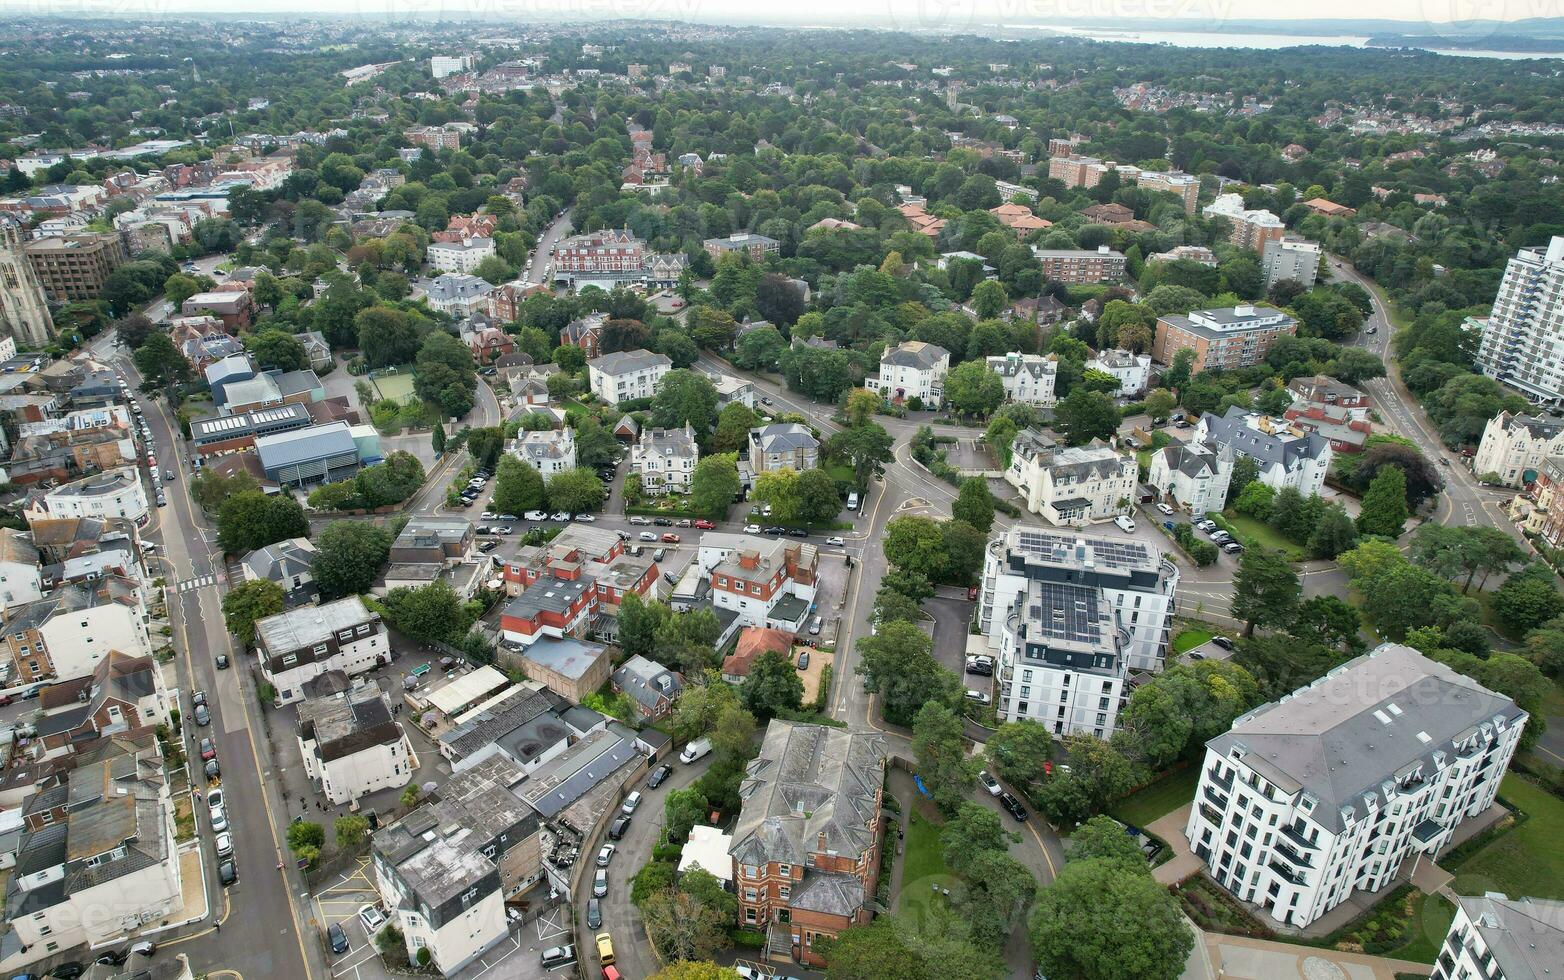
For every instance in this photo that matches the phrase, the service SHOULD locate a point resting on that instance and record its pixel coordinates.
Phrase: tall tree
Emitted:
(1384, 508)
(939, 746)
(518, 486)
(898, 665)
(246, 603)
(1265, 590)
(1086, 415)
(1102, 920)
(715, 485)
(772, 686)
(348, 557)
(975, 504)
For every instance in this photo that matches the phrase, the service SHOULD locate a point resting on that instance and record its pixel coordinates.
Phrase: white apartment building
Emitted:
(550, 451)
(68, 632)
(442, 65)
(1292, 258)
(1523, 338)
(1133, 370)
(627, 375)
(1330, 789)
(1029, 378)
(21, 580)
(665, 459)
(1195, 475)
(351, 746)
(1067, 617)
(1514, 447)
(912, 369)
(462, 256)
(1076, 485)
(112, 493)
(299, 645)
(1287, 455)
(1494, 937)
(1251, 228)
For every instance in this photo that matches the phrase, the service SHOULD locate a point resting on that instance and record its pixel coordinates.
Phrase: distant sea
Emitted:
(1215, 39)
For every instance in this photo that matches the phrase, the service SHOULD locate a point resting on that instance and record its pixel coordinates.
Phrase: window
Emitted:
(785, 870)
(289, 659)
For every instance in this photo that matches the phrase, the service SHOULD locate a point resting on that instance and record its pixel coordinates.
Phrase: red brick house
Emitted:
(490, 344)
(560, 587)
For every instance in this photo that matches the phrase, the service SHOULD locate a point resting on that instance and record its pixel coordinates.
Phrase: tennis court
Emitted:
(396, 387)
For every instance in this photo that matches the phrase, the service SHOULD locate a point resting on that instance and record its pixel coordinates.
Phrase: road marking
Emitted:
(197, 583)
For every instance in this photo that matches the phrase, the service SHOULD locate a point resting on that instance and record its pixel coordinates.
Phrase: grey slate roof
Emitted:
(831, 892)
(644, 681)
(914, 354)
(808, 781)
(281, 561)
(1524, 935)
(520, 706)
(1352, 732)
(1191, 460)
(1265, 448)
(1094, 461)
(783, 437)
(628, 361)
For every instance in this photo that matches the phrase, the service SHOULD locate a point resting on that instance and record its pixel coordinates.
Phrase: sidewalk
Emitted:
(1170, 827)
(1237, 958)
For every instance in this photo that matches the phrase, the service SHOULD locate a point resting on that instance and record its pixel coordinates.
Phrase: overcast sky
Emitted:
(944, 14)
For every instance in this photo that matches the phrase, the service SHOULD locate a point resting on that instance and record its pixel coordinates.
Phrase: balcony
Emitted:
(1291, 834)
(1289, 854)
(1226, 784)
(1216, 799)
(1210, 816)
(1287, 874)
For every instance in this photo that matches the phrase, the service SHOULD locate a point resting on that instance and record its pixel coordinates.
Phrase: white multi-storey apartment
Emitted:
(1523, 339)
(1514, 446)
(1330, 789)
(551, 451)
(351, 746)
(1196, 475)
(1292, 258)
(1287, 455)
(1075, 485)
(1029, 378)
(1138, 583)
(442, 65)
(665, 459)
(112, 493)
(627, 375)
(1133, 370)
(1494, 937)
(463, 256)
(297, 646)
(912, 369)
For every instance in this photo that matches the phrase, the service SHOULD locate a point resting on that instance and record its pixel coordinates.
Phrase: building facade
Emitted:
(1292, 258)
(912, 369)
(299, 645)
(351, 746)
(1229, 338)
(1514, 447)
(1194, 476)
(1133, 370)
(1028, 378)
(1080, 265)
(1494, 937)
(1287, 454)
(1075, 485)
(665, 460)
(74, 267)
(1289, 818)
(627, 375)
(1521, 343)
(24, 306)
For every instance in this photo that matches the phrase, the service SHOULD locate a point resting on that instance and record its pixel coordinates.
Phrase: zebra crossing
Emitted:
(191, 584)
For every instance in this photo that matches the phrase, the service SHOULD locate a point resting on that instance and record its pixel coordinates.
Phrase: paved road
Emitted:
(263, 933)
(542, 259)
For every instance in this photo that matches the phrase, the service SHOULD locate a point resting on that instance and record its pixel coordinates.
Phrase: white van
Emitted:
(852, 500)
(1124, 523)
(698, 749)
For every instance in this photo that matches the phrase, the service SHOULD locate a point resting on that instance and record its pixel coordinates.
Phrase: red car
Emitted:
(705, 525)
(671, 538)
(208, 750)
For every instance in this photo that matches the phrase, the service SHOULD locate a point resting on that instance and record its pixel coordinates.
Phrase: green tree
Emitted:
(759, 349)
(898, 664)
(973, 829)
(1384, 508)
(348, 557)
(1328, 621)
(1334, 534)
(779, 490)
(1528, 598)
(859, 405)
(975, 504)
(1017, 750)
(772, 686)
(577, 491)
(1255, 501)
(818, 499)
(972, 389)
(160, 362)
(1102, 920)
(428, 613)
(915, 544)
(518, 486)
(995, 897)
(246, 603)
(963, 546)
(388, 336)
(351, 830)
(1086, 415)
(1265, 590)
(1159, 404)
(733, 425)
(639, 621)
(251, 520)
(698, 970)
(682, 809)
(940, 750)
(715, 485)
(437, 439)
(892, 605)
(211, 488)
(277, 349)
(1105, 839)
(866, 448)
(989, 299)
(685, 397)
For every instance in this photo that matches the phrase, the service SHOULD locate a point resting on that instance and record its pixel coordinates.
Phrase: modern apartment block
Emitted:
(1514, 447)
(1522, 344)
(1081, 265)
(74, 267)
(1328, 791)
(1079, 171)
(299, 645)
(806, 847)
(1292, 258)
(1495, 937)
(24, 308)
(1251, 228)
(1137, 582)
(1228, 338)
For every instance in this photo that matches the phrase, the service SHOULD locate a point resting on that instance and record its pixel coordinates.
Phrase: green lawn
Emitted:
(1251, 533)
(1431, 918)
(1527, 860)
(1190, 638)
(396, 387)
(1161, 798)
(923, 864)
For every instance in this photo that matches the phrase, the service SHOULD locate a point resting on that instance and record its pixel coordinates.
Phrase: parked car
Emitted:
(1222, 642)
(219, 819)
(752, 529)
(215, 799)
(616, 830)
(683, 522)
(671, 538)
(66, 971)
(605, 854)
(372, 918)
(659, 774)
(631, 802)
(213, 770)
(197, 697)
(560, 515)
(488, 546)
(705, 525)
(982, 666)
(978, 697)
(559, 956)
(337, 938)
(539, 515)
(659, 554)
(586, 518)
(224, 844)
(1013, 806)
(797, 532)
(1125, 524)
(1233, 548)
(836, 541)
(648, 536)
(1165, 509)
(636, 519)
(815, 625)
(208, 749)
(698, 749)
(990, 783)
(203, 717)
(663, 521)
(605, 948)
(803, 660)
(600, 883)
(594, 913)
(222, 661)
(228, 872)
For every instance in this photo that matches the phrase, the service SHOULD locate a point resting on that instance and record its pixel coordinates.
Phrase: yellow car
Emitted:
(605, 949)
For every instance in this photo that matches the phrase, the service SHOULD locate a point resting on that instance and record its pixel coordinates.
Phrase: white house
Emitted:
(1075, 485)
(112, 493)
(1029, 378)
(550, 451)
(1133, 370)
(665, 459)
(764, 581)
(1287, 455)
(627, 375)
(299, 645)
(1331, 789)
(21, 580)
(68, 632)
(1514, 447)
(462, 256)
(1196, 475)
(912, 369)
(1504, 938)
(458, 294)
(351, 746)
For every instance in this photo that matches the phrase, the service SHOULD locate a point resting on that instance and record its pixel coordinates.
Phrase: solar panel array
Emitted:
(1065, 548)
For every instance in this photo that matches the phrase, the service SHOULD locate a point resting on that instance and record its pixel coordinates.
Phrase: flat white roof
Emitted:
(462, 692)
(707, 849)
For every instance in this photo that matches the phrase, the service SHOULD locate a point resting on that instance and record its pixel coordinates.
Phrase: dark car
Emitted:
(594, 913)
(617, 829)
(797, 532)
(227, 873)
(803, 660)
(222, 661)
(67, 971)
(1013, 806)
(213, 770)
(488, 546)
(658, 775)
(1222, 642)
(775, 529)
(203, 717)
(208, 750)
(337, 938)
(663, 521)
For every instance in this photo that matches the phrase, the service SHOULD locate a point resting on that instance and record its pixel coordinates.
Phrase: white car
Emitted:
(605, 855)
(752, 529)
(835, 541)
(372, 918)
(560, 515)
(219, 819)
(648, 536)
(978, 697)
(638, 519)
(225, 845)
(990, 783)
(586, 518)
(489, 515)
(749, 973)
(536, 515)
(1124, 523)
(1165, 509)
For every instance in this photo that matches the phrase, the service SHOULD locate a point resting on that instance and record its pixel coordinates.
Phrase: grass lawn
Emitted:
(1527, 860)
(1190, 638)
(1159, 799)
(397, 387)
(923, 863)
(1251, 532)
(1431, 918)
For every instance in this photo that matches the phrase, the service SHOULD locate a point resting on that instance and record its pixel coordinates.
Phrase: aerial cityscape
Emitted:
(929, 493)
